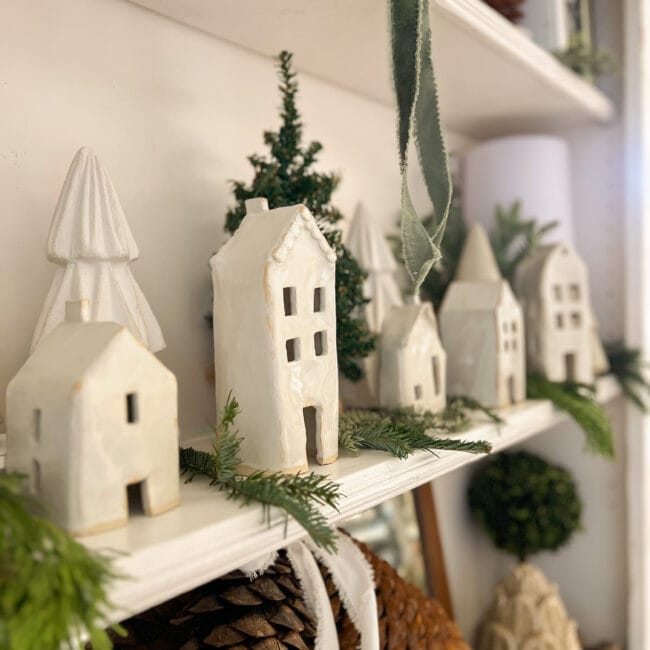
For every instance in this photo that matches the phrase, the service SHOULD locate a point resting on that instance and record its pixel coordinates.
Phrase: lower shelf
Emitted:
(208, 535)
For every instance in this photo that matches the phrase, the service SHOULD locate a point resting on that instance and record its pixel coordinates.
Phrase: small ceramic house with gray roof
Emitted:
(482, 329)
(275, 337)
(91, 412)
(412, 362)
(562, 338)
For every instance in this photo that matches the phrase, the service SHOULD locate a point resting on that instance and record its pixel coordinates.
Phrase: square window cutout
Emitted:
(319, 299)
(293, 349)
(418, 391)
(289, 299)
(320, 343)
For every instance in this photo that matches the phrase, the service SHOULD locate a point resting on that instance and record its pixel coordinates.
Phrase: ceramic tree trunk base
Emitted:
(527, 612)
(91, 412)
(413, 361)
(92, 243)
(482, 329)
(275, 338)
(562, 340)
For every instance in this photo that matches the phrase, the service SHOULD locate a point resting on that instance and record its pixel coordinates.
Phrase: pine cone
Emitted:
(233, 612)
(408, 619)
(510, 9)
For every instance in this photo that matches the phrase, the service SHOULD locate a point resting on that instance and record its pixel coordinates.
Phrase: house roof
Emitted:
(474, 296)
(88, 221)
(401, 321)
(532, 268)
(265, 234)
(477, 261)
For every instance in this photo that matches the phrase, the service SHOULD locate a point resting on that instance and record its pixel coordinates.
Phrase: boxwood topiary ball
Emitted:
(525, 504)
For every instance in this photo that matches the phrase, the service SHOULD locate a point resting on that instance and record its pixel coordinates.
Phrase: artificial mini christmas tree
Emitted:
(285, 178)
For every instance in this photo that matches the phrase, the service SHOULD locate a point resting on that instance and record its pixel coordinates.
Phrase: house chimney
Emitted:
(77, 311)
(259, 204)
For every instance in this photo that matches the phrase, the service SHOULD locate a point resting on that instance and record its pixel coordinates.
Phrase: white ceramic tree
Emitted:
(91, 242)
(368, 244)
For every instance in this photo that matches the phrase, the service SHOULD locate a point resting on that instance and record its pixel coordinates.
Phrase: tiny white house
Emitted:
(275, 337)
(562, 339)
(91, 412)
(413, 361)
(482, 329)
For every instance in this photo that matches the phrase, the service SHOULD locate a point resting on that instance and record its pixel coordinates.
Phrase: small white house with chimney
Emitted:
(91, 412)
(562, 336)
(412, 360)
(482, 329)
(275, 337)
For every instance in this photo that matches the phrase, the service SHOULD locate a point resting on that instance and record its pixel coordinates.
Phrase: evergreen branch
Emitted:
(629, 368)
(298, 495)
(579, 401)
(52, 589)
(466, 403)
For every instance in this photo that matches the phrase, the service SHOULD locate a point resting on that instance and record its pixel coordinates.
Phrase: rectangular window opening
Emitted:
(557, 292)
(36, 430)
(436, 375)
(319, 299)
(293, 349)
(289, 298)
(514, 326)
(514, 344)
(418, 391)
(574, 292)
(559, 321)
(576, 319)
(131, 408)
(35, 478)
(320, 343)
(506, 347)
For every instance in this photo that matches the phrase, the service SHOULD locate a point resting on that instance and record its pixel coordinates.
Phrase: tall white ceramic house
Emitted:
(562, 339)
(482, 329)
(275, 337)
(91, 412)
(368, 244)
(413, 361)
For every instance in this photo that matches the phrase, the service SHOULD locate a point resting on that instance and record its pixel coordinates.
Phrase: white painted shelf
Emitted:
(493, 78)
(208, 535)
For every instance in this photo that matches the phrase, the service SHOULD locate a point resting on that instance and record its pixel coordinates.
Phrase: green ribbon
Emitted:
(419, 119)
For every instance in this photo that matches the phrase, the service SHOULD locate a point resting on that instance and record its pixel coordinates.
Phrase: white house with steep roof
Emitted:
(413, 362)
(482, 329)
(275, 337)
(91, 412)
(562, 335)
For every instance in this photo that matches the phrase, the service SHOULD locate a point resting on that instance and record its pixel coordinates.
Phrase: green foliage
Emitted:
(585, 60)
(286, 177)
(514, 238)
(525, 504)
(298, 495)
(52, 589)
(400, 433)
(579, 401)
(628, 366)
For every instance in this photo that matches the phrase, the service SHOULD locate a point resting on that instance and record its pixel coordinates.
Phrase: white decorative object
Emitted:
(90, 412)
(368, 245)
(413, 361)
(482, 329)
(92, 244)
(562, 340)
(548, 22)
(533, 169)
(527, 613)
(275, 337)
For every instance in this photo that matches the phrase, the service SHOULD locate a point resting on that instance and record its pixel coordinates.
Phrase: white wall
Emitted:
(172, 113)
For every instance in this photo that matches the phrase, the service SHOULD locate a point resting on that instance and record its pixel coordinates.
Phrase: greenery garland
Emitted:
(52, 589)
(629, 368)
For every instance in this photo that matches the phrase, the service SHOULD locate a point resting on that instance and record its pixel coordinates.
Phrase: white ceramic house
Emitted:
(413, 361)
(91, 243)
(91, 412)
(562, 339)
(368, 245)
(482, 329)
(275, 337)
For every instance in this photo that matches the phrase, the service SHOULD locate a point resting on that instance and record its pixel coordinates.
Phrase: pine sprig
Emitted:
(298, 495)
(629, 369)
(579, 401)
(399, 433)
(52, 589)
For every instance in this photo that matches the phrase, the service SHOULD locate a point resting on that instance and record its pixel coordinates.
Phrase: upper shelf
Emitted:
(207, 535)
(493, 79)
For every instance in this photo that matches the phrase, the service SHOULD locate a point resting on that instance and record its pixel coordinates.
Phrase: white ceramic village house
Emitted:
(368, 245)
(482, 329)
(413, 362)
(91, 412)
(275, 337)
(91, 243)
(562, 337)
